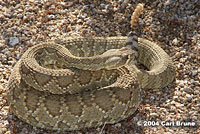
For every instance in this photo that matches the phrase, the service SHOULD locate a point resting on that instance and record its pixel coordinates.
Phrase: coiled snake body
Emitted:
(92, 82)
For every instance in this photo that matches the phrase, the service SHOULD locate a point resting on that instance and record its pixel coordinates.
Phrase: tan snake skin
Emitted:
(47, 91)
(92, 82)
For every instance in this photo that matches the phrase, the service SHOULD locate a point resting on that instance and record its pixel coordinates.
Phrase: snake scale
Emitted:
(78, 82)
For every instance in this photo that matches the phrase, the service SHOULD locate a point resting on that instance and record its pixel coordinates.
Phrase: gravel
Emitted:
(174, 25)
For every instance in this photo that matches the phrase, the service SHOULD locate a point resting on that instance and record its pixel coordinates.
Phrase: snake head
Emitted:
(117, 58)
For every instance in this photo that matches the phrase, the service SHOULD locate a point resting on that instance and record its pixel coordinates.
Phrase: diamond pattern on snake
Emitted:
(55, 85)
(78, 82)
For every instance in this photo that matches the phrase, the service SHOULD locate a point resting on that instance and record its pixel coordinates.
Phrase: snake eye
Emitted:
(126, 56)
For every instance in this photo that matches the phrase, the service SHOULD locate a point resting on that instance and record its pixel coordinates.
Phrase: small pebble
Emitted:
(188, 90)
(189, 97)
(13, 41)
(153, 114)
(118, 125)
(175, 41)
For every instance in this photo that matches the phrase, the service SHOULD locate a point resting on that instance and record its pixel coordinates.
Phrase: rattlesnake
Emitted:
(97, 82)
(114, 100)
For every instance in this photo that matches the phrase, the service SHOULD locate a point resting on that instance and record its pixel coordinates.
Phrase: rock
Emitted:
(189, 97)
(194, 72)
(188, 90)
(154, 114)
(2, 45)
(175, 41)
(13, 41)
(118, 125)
